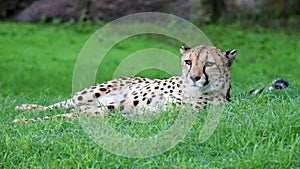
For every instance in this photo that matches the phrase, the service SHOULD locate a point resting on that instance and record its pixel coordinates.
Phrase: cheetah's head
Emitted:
(206, 67)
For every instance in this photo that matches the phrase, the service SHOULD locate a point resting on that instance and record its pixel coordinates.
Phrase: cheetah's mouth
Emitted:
(200, 85)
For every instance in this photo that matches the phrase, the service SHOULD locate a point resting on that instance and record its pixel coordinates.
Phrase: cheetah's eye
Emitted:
(188, 62)
(209, 64)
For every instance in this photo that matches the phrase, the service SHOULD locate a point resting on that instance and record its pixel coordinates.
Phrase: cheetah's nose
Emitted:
(195, 78)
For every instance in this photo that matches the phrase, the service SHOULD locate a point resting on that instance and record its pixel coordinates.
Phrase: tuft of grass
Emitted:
(261, 131)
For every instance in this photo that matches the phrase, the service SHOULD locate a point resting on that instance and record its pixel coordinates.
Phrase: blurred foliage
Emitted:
(267, 13)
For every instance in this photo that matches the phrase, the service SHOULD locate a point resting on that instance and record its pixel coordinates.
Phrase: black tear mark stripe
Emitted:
(188, 72)
(206, 76)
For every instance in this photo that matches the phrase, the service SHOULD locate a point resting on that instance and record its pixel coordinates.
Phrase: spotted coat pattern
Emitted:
(205, 79)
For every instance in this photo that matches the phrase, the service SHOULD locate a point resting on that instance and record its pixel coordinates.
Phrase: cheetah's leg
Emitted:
(85, 110)
(92, 108)
(24, 120)
(34, 107)
(66, 104)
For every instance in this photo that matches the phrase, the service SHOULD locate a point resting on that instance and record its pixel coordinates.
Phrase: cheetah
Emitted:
(205, 79)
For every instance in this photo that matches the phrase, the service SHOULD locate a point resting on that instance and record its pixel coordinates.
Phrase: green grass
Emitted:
(37, 63)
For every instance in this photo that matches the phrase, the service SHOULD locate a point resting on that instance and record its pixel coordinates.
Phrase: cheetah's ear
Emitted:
(230, 55)
(182, 49)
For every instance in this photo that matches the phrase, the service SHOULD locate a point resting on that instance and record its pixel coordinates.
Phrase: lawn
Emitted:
(37, 63)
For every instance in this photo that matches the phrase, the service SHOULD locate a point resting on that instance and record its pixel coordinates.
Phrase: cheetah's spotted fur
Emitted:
(205, 79)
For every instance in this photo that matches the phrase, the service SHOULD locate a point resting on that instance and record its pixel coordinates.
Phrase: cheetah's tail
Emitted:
(278, 83)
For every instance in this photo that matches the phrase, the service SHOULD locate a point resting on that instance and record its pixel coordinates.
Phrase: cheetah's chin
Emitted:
(200, 86)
